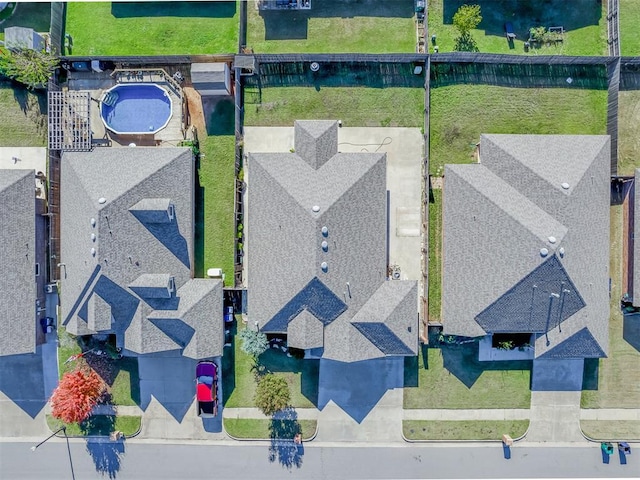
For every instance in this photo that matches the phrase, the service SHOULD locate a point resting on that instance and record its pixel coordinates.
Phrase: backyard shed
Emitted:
(211, 79)
(23, 37)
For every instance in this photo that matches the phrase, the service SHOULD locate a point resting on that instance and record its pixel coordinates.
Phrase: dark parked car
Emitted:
(207, 389)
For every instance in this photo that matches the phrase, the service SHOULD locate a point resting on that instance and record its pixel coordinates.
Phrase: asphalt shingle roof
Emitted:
(305, 331)
(17, 262)
(119, 242)
(316, 229)
(499, 216)
(579, 345)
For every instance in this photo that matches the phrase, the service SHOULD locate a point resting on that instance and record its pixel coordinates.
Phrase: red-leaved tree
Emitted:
(76, 395)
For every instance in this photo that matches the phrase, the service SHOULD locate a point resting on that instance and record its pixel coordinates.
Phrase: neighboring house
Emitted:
(21, 254)
(316, 260)
(127, 233)
(526, 244)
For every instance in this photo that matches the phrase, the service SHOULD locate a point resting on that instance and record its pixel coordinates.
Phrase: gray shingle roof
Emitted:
(116, 233)
(499, 215)
(543, 299)
(305, 331)
(98, 313)
(580, 344)
(17, 262)
(316, 224)
(636, 241)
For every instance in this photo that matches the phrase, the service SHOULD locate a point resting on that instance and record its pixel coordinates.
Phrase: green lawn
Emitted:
(262, 429)
(24, 120)
(628, 131)
(584, 22)
(451, 376)
(435, 255)
(301, 375)
(215, 225)
(99, 425)
(611, 429)
(335, 26)
(614, 382)
(629, 33)
(460, 113)
(356, 106)
(153, 28)
(29, 14)
(463, 430)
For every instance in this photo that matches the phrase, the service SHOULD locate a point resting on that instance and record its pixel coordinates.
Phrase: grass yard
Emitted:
(28, 14)
(614, 382)
(629, 33)
(611, 429)
(215, 225)
(262, 429)
(463, 430)
(153, 28)
(99, 425)
(460, 113)
(121, 376)
(301, 375)
(451, 376)
(584, 22)
(355, 106)
(335, 26)
(435, 255)
(628, 131)
(23, 122)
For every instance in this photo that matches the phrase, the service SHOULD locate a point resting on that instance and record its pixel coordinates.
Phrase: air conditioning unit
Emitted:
(50, 288)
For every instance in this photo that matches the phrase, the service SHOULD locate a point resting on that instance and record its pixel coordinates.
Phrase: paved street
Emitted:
(137, 460)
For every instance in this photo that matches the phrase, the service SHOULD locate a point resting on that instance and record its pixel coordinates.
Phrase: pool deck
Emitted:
(97, 83)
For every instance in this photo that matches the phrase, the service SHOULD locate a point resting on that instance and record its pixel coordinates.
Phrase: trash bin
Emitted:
(607, 447)
(624, 448)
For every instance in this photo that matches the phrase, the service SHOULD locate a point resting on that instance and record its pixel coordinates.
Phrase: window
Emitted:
(171, 211)
(171, 284)
(37, 269)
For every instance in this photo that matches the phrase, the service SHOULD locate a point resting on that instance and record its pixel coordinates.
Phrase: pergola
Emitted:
(69, 121)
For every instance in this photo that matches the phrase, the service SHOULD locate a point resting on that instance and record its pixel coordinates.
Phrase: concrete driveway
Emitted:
(361, 401)
(167, 396)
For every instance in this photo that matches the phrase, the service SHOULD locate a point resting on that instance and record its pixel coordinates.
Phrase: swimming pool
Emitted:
(135, 108)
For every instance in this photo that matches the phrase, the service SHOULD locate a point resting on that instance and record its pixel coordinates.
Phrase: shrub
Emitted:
(254, 343)
(272, 394)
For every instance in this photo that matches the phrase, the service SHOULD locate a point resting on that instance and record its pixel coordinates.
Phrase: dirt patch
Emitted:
(194, 105)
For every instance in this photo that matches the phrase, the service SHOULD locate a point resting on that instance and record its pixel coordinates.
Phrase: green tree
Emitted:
(27, 66)
(465, 43)
(272, 394)
(467, 18)
(254, 343)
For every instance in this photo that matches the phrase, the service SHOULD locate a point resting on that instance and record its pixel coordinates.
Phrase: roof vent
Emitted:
(93, 237)
(93, 252)
(324, 266)
(544, 252)
(552, 239)
(325, 245)
(93, 222)
(316, 208)
(102, 200)
(565, 185)
(325, 231)
(561, 251)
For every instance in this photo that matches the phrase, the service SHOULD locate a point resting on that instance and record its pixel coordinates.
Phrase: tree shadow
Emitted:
(524, 15)
(283, 429)
(173, 9)
(106, 455)
(285, 25)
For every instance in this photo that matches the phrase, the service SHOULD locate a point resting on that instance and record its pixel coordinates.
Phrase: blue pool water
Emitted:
(136, 108)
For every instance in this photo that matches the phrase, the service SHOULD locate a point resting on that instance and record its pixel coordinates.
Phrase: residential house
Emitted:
(127, 233)
(526, 246)
(19, 262)
(316, 251)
